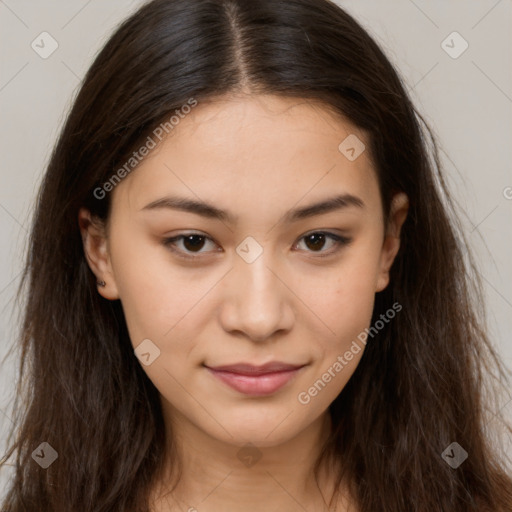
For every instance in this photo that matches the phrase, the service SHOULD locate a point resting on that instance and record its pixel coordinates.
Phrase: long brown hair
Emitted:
(423, 380)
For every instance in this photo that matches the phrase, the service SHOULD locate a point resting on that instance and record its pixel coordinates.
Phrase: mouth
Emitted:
(256, 380)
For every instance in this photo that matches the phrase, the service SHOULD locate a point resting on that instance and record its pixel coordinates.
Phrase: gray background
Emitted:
(467, 101)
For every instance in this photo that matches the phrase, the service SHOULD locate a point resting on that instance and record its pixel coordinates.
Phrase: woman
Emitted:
(244, 291)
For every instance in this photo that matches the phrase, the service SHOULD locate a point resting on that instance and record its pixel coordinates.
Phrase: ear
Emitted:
(95, 242)
(391, 244)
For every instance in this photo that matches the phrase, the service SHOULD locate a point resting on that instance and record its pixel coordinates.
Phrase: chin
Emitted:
(264, 432)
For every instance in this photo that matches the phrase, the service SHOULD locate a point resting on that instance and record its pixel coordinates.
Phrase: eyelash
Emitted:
(341, 241)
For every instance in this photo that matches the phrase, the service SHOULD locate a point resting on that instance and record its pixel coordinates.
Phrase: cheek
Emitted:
(154, 294)
(343, 297)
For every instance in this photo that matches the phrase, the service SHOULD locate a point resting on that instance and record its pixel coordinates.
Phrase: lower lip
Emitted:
(256, 385)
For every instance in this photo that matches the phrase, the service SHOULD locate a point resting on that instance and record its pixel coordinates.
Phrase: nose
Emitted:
(257, 301)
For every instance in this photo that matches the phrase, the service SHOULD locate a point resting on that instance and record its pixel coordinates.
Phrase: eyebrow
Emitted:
(209, 211)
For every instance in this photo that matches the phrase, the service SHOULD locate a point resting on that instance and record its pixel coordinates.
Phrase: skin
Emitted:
(257, 157)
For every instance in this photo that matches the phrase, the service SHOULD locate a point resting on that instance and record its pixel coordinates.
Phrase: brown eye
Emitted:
(317, 240)
(191, 243)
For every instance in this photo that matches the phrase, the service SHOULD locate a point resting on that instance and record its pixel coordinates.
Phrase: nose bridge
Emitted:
(259, 282)
(258, 303)
(251, 268)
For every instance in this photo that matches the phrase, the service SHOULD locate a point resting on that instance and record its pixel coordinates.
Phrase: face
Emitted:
(258, 276)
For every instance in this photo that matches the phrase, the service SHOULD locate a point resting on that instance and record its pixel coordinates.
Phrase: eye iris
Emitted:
(316, 238)
(198, 244)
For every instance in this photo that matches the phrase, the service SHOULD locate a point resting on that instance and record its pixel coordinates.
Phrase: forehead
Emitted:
(234, 151)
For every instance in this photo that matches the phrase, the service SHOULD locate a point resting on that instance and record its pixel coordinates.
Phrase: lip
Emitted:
(256, 380)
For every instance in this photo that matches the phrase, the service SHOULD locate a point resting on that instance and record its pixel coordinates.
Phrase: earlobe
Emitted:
(95, 247)
(391, 245)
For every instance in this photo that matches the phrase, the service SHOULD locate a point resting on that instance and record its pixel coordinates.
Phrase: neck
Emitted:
(220, 476)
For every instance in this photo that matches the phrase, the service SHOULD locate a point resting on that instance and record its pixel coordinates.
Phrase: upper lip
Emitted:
(249, 369)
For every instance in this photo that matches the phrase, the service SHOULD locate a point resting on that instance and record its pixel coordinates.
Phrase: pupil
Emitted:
(192, 242)
(188, 241)
(316, 237)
